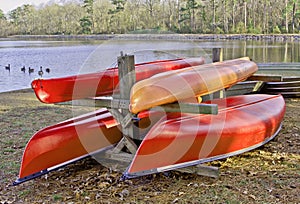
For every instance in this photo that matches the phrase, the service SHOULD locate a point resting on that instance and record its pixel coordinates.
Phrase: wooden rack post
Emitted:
(120, 109)
(217, 55)
(127, 79)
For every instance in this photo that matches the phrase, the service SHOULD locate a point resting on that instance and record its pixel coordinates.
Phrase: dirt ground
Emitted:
(269, 174)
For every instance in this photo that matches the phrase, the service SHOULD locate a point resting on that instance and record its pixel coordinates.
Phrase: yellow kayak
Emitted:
(191, 82)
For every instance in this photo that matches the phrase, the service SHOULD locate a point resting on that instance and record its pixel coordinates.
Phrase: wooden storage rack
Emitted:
(118, 105)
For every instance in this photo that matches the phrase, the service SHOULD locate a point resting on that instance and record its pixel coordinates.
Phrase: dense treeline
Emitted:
(179, 16)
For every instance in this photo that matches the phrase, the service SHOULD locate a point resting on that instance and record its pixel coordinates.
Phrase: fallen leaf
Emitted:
(253, 197)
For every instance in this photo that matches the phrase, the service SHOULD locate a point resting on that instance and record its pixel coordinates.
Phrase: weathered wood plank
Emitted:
(278, 66)
(175, 107)
(263, 77)
(203, 170)
(121, 156)
(282, 89)
(291, 78)
(189, 108)
(283, 84)
(217, 54)
(291, 95)
(127, 77)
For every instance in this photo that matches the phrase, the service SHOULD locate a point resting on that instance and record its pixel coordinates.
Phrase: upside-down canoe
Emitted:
(67, 141)
(74, 139)
(178, 85)
(179, 140)
(100, 83)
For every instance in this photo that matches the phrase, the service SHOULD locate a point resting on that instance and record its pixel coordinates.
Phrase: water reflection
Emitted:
(264, 51)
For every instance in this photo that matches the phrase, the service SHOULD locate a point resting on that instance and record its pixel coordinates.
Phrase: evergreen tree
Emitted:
(87, 21)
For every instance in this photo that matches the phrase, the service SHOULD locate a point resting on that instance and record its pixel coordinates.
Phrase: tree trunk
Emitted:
(232, 15)
(265, 18)
(214, 16)
(193, 18)
(253, 13)
(245, 15)
(293, 15)
(225, 21)
(286, 17)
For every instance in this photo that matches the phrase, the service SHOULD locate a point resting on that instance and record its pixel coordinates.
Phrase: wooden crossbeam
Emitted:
(264, 77)
(190, 108)
(196, 108)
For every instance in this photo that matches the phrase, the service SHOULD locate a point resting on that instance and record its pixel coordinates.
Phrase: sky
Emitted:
(8, 5)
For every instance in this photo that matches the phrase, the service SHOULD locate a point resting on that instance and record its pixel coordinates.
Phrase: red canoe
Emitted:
(66, 142)
(179, 140)
(72, 139)
(101, 83)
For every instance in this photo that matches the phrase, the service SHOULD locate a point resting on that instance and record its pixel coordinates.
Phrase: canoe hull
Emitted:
(101, 83)
(190, 82)
(178, 140)
(68, 140)
(74, 139)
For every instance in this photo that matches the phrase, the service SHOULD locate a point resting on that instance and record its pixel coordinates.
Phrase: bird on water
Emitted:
(30, 70)
(23, 69)
(41, 72)
(7, 67)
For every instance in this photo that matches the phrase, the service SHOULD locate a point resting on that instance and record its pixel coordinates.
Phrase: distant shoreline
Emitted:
(269, 37)
(23, 90)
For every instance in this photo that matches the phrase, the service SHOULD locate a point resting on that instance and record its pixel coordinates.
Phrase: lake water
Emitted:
(72, 57)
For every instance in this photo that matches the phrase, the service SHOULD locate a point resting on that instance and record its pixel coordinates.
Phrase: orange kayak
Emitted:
(190, 82)
(100, 83)
(180, 140)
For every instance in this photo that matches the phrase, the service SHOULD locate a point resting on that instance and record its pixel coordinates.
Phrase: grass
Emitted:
(269, 174)
(57, 197)
(24, 193)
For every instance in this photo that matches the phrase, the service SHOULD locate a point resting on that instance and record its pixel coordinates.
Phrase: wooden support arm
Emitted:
(106, 102)
(196, 108)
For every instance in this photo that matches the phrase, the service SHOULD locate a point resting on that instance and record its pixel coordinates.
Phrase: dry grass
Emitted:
(269, 174)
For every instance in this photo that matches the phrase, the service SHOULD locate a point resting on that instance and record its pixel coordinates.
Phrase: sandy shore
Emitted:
(269, 174)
